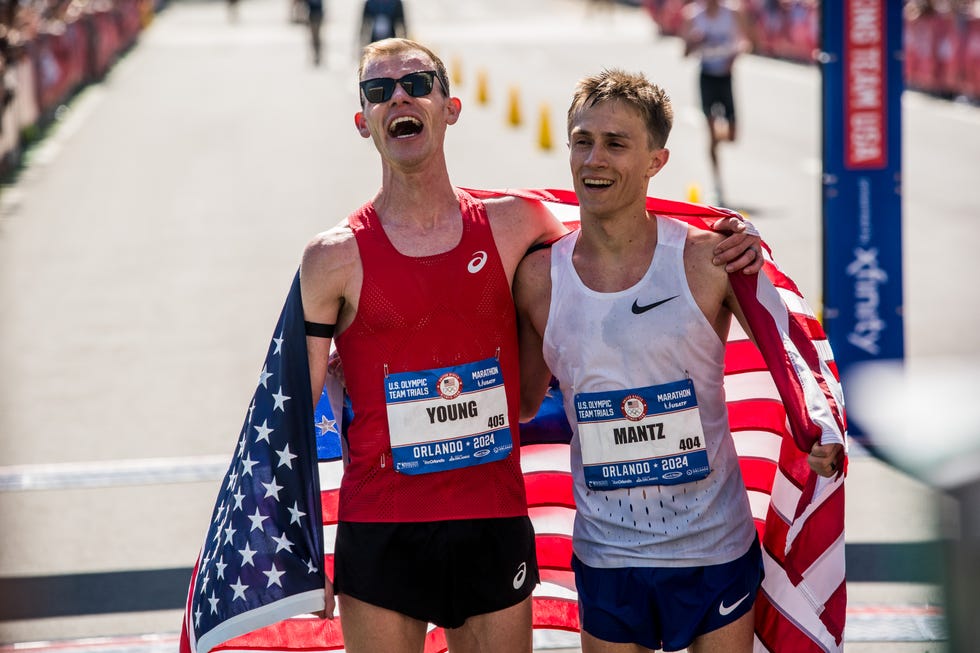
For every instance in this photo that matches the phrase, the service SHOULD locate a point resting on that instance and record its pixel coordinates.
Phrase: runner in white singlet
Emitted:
(631, 317)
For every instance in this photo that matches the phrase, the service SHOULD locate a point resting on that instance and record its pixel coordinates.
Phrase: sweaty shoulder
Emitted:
(329, 273)
(708, 281)
(330, 250)
(532, 284)
(527, 221)
(701, 242)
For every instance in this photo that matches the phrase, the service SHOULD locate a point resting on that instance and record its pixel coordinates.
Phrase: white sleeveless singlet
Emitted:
(720, 39)
(600, 342)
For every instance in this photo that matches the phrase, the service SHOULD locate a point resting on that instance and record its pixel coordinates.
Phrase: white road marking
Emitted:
(112, 473)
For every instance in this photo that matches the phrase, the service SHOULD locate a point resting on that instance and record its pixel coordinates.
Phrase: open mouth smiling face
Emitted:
(595, 183)
(404, 127)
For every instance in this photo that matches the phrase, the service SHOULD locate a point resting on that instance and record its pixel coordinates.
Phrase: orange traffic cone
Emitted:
(514, 114)
(482, 95)
(544, 130)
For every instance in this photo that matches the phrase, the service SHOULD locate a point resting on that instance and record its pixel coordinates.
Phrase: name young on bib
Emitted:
(448, 418)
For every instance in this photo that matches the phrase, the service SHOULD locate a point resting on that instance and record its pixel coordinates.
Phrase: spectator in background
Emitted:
(382, 19)
(718, 33)
(314, 18)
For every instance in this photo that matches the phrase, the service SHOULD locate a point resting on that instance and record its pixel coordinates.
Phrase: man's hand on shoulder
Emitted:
(742, 249)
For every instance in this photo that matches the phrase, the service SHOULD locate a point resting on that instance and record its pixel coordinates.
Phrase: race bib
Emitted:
(448, 418)
(645, 436)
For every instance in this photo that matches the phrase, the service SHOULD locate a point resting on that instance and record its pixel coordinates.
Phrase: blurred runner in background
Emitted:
(315, 21)
(382, 19)
(718, 32)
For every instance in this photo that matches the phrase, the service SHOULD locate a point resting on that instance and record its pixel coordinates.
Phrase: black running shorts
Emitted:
(716, 90)
(438, 572)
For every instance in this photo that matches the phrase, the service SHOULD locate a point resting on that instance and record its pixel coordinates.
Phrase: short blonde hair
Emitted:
(635, 90)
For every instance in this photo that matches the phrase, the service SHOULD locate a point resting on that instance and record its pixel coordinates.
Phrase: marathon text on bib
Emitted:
(644, 436)
(448, 418)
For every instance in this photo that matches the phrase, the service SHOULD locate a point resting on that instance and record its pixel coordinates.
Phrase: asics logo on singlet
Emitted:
(637, 309)
(477, 262)
(725, 610)
(521, 575)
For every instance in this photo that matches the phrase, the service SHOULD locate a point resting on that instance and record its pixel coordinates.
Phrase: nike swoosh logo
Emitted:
(637, 309)
(725, 610)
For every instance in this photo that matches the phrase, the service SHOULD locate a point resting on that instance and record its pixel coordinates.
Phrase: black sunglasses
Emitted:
(380, 89)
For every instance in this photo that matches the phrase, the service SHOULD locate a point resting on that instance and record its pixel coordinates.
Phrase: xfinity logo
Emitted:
(868, 277)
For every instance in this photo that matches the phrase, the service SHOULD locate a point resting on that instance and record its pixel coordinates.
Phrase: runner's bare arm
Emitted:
(324, 275)
(824, 459)
(518, 225)
(532, 296)
(692, 38)
(546, 228)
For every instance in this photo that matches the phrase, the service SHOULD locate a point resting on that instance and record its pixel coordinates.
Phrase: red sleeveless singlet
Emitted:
(420, 313)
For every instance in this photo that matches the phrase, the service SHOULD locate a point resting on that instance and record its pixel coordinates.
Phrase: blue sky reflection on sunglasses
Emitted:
(417, 84)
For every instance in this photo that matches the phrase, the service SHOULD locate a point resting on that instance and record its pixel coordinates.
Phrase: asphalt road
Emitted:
(147, 246)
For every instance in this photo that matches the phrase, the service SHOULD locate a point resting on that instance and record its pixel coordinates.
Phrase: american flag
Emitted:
(262, 559)
(782, 397)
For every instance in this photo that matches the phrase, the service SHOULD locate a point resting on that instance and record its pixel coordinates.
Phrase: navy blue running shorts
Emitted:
(438, 572)
(666, 607)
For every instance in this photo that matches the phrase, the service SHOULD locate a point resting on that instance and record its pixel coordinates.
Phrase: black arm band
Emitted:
(318, 330)
(545, 245)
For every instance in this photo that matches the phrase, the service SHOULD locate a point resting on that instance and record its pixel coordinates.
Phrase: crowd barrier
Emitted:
(44, 72)
(942, 49)
(942, 54)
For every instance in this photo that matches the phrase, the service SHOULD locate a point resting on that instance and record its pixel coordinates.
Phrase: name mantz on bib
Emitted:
(643, 436)
(448, 418)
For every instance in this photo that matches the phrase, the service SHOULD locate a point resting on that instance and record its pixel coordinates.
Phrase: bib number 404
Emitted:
(687, 444)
